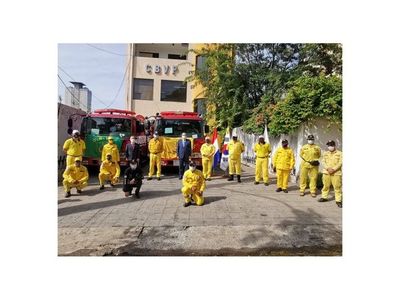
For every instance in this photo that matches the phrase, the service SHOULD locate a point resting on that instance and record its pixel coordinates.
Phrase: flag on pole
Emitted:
(266, 138)
(217, 154)
(225, 154)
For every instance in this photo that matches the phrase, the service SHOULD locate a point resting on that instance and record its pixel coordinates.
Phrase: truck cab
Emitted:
(170, 126)
(120, 124)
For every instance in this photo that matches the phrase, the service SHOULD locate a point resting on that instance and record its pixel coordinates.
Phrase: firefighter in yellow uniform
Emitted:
(309, 155)
(207, 151)
(109, 171)
(332, 173)
(235, 149)
(75, 176)
(155, 149)
(112, 148)
(262, 151)
(283, 163)
(74, 148)
(194, 185)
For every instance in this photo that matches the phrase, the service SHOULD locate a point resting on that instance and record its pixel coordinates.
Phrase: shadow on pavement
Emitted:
(68, 200)
(144, 195)
(208, 200)
(90, 206)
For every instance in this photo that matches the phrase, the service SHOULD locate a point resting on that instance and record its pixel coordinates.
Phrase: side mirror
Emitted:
(207, 129)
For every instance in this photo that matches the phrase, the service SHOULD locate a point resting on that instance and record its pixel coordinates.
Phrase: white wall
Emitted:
(319, 128)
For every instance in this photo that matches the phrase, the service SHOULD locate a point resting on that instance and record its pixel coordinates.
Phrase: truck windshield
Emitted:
(175, 128)
(100, 125)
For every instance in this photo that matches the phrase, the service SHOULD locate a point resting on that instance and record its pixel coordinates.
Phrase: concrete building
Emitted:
(156, 78)
(78, 96)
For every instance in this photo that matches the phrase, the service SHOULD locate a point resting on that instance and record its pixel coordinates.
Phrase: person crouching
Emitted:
(194, 185)
(132, 178)
(109, 171)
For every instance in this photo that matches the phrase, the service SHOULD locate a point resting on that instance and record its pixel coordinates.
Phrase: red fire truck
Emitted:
(120, 124)
(170, 126)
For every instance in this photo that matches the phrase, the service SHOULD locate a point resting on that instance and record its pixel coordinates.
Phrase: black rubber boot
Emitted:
(279, 190)
(102, 187)
(322, 200)
(186, 204)
(79, 191)
(67, 194)
(238, 177)
(339, 204)
(230, 178)
(266, 184)
(256, 182)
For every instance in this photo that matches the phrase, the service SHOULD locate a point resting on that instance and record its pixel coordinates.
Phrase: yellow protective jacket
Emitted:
(110, 168)
(309, 153)
(155, 146)
(283, 159)
(110, 148)
(73, 173)
(194, 179)
(74, 148)
(262, 150)
(235, 150)
(207, 150)
(332, 160)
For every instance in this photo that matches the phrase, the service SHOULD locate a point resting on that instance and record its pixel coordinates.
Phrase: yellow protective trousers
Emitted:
(282, 178)
(155, 159)
(336, 181)
(207, 167)
(262, 169)
(235, 166)
(68, 184)
(71, 159)
(306, 173)
(104, 177)
(187, 192)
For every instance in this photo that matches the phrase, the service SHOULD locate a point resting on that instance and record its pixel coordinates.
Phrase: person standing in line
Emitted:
(184, 152)
(283, 163)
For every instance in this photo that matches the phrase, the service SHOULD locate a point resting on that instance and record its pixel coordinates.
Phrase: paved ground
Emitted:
(237, 219)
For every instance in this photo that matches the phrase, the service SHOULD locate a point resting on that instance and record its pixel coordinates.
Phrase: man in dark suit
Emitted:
(184, 152)
(132, 179)
(132, 151)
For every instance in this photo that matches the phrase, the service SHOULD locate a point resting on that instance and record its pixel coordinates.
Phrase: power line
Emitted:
(122, 82)
(106, 51)
(71, 92)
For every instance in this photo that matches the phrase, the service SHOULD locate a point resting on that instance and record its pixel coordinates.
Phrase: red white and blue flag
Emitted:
(217, 154)
(225, 152)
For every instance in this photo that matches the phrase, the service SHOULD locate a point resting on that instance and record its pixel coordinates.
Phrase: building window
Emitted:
(176, 56)
(173, 91)
(143, 89)
(200, 63)
(148, 54)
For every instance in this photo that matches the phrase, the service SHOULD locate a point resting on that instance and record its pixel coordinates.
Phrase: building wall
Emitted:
(84, 95)
(137, 69)
(64, 112)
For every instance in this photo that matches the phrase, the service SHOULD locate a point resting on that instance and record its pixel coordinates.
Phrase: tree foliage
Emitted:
(282, 85)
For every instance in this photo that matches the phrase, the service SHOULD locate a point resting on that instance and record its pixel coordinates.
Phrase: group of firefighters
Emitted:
(76, 175)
